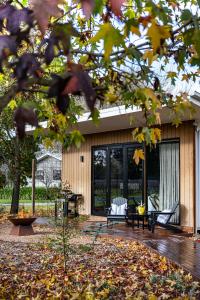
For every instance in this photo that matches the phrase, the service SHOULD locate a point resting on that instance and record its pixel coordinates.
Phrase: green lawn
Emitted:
(4, 201)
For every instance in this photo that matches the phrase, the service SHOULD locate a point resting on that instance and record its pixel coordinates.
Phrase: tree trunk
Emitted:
(15, 194)
(16, 181)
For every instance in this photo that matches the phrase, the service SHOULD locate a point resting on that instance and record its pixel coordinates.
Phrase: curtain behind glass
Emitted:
(169, 177)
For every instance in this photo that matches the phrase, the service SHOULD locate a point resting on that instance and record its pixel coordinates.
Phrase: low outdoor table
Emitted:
(138, 218)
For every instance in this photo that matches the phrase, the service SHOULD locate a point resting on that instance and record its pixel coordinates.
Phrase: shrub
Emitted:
(41, 194)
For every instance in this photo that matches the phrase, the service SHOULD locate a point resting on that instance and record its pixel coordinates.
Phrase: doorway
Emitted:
(115, 174)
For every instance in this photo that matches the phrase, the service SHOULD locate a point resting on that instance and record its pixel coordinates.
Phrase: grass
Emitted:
(8, 201)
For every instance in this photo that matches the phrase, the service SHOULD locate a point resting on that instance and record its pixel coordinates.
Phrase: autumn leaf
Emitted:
(145, 20)
(60, 38)
(12, 104)
(56, 90)
(28, 65)
(43, 10)
(23, 116)
(116, 6)
(140, 137)
(111, 37)
(7, 46)
(72, 86)
(111, 96)
(87, 6)
(149, 55)
(157, 35)
(138, 154)
(85, 84)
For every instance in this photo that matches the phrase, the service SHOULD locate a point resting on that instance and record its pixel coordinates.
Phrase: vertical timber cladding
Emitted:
(78, 172)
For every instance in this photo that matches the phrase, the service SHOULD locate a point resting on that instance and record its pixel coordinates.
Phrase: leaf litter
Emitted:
(109, 269)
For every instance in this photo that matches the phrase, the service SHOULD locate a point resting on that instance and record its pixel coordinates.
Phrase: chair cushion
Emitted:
(121, 209)
(164, 218)
(114, 208)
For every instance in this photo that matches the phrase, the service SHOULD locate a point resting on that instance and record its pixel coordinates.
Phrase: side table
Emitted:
(139, 218)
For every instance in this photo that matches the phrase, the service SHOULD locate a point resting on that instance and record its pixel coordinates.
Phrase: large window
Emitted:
(115, 174)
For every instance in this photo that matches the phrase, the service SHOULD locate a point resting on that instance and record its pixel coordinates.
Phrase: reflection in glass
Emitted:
(135, 173)
(99, 177)
(153, 178)
(116, 173)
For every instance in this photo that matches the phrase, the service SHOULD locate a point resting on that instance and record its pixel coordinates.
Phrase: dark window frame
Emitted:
(125, 146)
(39, 175)
(56, 177)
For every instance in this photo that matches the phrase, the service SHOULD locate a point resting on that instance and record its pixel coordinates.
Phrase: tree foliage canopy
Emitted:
(57, 52)
(15, 153)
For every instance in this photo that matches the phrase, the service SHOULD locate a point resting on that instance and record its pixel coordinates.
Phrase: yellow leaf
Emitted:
(48, 143)
(12, 104)
(140, 137)
(110, 95)
(171, 74)
(61, 120)
(152, 297)
(157, 133)
(185, 77)
(157, 34)
(138, 154)
(135, 30)
(111, 37)
(150, 94)
(149, 55)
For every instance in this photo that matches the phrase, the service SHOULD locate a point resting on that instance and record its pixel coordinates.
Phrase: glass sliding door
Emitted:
(134, 178)
(99, 181)
(153, 177)
(116, 173)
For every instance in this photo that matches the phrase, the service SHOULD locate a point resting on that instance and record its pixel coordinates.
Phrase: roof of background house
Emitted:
(49, 154)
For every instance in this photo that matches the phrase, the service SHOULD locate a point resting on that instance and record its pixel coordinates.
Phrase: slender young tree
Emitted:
(17, 154)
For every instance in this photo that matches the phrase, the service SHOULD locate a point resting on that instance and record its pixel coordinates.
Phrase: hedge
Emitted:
(41, 194)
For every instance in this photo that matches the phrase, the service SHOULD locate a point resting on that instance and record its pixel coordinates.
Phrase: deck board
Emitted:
(177, 247)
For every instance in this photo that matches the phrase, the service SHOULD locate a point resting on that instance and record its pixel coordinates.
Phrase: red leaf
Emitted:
(43, 10)
(87, 6)
(116, 6)
(145, 20)
(23, 116)
(72, 86)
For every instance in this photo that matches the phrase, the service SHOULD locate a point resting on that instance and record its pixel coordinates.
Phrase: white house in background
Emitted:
(48, 170)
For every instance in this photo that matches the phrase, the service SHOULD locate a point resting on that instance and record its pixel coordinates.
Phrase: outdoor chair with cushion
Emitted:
(118, 210)
(161, 218)
(153, 202)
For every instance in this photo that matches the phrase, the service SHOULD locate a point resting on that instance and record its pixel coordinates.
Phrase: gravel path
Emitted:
(41, 233)
(42, 230)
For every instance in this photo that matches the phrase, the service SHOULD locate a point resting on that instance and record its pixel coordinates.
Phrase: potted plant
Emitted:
(141, 209)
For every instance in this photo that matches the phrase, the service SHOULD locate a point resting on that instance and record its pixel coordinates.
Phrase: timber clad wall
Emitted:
(79, 173)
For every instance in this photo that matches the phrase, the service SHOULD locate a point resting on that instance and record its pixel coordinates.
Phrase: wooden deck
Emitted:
(175, 246)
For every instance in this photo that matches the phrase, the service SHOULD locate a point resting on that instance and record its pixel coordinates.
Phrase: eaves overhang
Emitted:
(120, 117)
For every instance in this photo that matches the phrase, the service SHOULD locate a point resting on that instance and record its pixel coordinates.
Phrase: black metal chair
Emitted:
(118, 210)
(161, 218)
